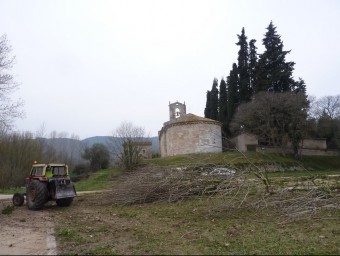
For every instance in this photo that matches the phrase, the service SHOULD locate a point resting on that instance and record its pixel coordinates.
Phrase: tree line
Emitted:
(18, 151)
(261, 96)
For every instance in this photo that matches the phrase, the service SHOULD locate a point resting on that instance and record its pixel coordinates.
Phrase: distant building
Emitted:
(145, 148)
(246, 142)
(142, 148)
(188, 133)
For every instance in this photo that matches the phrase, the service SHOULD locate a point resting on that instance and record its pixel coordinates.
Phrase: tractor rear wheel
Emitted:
(36, 195)
(18, 199)
(64, 201)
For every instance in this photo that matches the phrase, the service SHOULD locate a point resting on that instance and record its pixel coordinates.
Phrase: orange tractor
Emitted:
(47, 182)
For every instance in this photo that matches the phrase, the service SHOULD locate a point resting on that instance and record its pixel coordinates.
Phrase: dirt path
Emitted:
(25, 232)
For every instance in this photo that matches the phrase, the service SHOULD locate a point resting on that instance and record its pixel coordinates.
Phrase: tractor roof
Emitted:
(51, 164)
(56, 164)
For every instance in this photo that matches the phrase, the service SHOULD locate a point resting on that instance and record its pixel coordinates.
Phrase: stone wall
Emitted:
(303, 151)
(187, 138)
(307, 147)
(319, 144)
(243, 140)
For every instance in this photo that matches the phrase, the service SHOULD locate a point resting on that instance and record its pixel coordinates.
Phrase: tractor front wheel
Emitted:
(36, 195)
(18, 199)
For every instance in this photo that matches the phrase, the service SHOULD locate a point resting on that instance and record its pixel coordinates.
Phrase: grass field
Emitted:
(191, 227)
(248, 221)
(99, 180)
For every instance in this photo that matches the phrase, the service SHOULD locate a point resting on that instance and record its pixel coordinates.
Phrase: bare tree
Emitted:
(124, 144)
(9, 109)
(328, 105)
(17, 154)
(325, 116)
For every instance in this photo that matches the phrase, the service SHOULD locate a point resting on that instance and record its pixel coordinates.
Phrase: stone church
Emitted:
(187, 133)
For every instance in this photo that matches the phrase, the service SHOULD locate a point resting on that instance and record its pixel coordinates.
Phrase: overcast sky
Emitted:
(86, 66)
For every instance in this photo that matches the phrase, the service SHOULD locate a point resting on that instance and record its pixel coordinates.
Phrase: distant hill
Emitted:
(96, 139)
(74, 148)
(106, 139)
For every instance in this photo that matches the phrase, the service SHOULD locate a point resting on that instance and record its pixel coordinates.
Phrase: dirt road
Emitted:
(25, 232)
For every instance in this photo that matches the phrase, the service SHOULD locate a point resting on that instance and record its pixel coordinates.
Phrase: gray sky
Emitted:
(86, 66)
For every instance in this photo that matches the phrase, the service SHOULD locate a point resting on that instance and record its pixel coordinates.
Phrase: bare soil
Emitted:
(25, 232)
(89, 226)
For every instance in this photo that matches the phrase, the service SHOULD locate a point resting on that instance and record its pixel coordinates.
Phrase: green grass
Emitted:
(189, 228)
(8, 209)
(195, 226)
(98, 181)
(10, 191)
(71, 234)
(314, 173)
(321, 162)
(227, 158)
(192, 227)
(241, 159)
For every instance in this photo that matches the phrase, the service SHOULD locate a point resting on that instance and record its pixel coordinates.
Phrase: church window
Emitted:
(178, 113)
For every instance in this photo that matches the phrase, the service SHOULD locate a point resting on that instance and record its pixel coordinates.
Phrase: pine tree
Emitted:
(233, 97)
(223, 106)
(273, 73)
(243, 69)
(300, 86)
(252, 65)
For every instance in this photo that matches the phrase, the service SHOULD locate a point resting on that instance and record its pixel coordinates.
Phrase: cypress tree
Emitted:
(223, 106)
(273, 73)
(214, 100)
(252, 66)
(243, 69)
(211, 106)
(233, 97)
(207, 109)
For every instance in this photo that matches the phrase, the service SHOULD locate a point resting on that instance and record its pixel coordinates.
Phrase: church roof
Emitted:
(190, 118)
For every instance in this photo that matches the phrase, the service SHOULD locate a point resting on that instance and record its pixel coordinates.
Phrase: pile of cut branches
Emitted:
(157, 184)
(240, 189)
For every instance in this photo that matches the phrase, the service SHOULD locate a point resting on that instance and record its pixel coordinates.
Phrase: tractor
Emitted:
(46, 182)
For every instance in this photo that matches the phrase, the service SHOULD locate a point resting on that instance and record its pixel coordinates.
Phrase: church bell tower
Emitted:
(176, 110)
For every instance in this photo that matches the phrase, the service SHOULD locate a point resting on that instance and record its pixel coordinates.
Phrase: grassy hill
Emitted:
(273, 164)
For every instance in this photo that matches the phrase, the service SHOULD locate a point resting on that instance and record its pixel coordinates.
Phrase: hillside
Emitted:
(107, 139)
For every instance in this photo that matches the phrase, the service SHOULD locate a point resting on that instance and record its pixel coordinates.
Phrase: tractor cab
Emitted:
(48, 170)
(38, 170)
